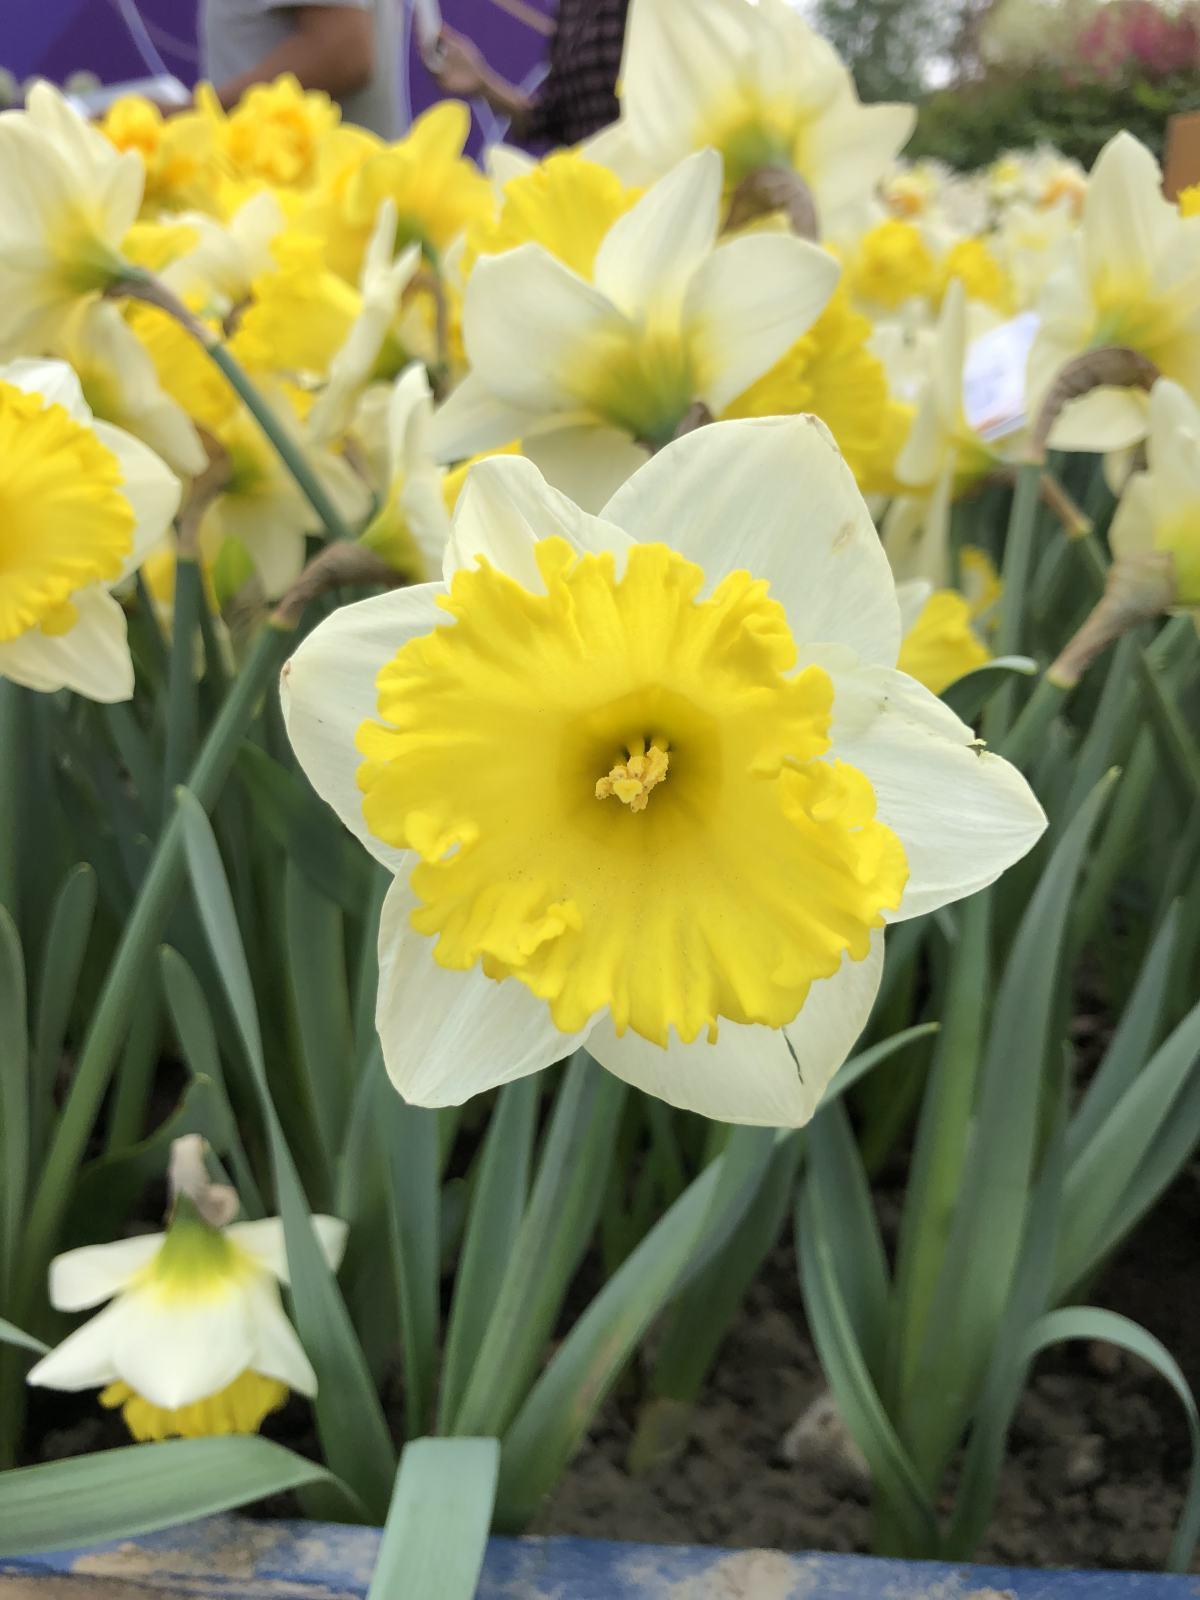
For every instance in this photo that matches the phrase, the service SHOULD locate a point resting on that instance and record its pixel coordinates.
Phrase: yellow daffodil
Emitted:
(183, 369)
(566, 203)
(670, 318)
(648, 780)
(67, 200)
(121, 386)
(912, 190)
(194, 1339)
(891, 264)
(179, 154)
(260, 506)
(984, 280)
(939, 644)
(276, 130)
(831, 372)
(1160, 508)
(760, 86)
(412, 524)
(83, 503)
(437, 193)
(1131, 276)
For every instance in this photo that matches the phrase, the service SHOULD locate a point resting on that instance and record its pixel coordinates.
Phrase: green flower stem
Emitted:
(1018, 560)
(1025, 738)
(181, 680)
(133, 962)
(142, 286)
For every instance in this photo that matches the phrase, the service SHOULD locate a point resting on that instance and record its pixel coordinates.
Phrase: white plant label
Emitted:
(994, 377)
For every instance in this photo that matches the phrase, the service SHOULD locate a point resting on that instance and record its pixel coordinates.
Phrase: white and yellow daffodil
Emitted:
(67, 200)
(261, 507)
(121, 385)
(412, 524)
(83, 504)
(219, 268)
(759, 85)
(374, 345)
(1159, 512)
(195, 1339)
(648, 781)
(1131, 277)
(670, 317)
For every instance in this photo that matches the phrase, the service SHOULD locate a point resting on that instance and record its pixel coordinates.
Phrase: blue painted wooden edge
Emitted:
(238, 1559)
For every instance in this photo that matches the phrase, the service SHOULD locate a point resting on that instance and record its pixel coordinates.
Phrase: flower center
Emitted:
(631, 780)
(64, 524)
(756, 870)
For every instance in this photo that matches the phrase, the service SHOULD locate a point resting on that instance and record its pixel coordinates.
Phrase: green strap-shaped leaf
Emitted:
(14, 1095)
(985, 1239)
(11, 1334)
(119, 1494)
(968, 695)
(846, 1370)
(350, 1420)
(496, 1208)
(66, 941)
(559, 1409)
(437, 1527)
(550, 1244)
(1109, 1162)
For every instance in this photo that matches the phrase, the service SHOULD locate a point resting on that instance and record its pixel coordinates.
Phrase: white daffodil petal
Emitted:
(449, 1035)
(327, 690)
(264, 1240)
(962, 815)
(649, 255)
(750, 300)
(1126, 221)
(1105, 419)
(152, 489)
(505, 508)
(749, 1074)
(92, 657)
(277, 1351)
(55, 381)
(277, 555)
(473, 419)
(767, 1077)
(587, 464)
(526, 301)
(83, 1278)
(84, 1360)
(772, 496)
(174, 1351)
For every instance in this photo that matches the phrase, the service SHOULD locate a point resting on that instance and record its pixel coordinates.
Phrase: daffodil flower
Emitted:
(121, 386)
(648, 781)
(67, 199)
(759, 85)
(83, 504)
(195, 1339)
(412, 525)
(260, 506)
(1130, 276)
(365, 352)
(669, 318)
(1159, 512)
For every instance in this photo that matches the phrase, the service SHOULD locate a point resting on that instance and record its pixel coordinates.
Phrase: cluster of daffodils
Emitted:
(662, 441)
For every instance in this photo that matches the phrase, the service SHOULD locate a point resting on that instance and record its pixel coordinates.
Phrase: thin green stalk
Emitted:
(133, 960)
(1018, 560)
(12, 728)
(181, 682)
(1025, 738)
(143, 286)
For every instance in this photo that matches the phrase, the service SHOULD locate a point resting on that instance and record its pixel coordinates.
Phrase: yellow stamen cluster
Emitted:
(632, 780)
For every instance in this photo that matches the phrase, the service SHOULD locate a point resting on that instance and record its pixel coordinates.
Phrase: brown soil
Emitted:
(1098, 1457)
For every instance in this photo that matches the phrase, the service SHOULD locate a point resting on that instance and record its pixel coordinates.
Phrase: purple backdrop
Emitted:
(57, 37)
